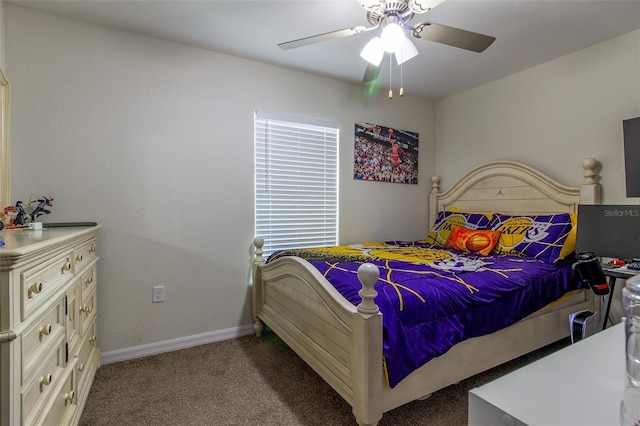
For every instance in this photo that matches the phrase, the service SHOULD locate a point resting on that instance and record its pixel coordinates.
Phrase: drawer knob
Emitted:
(34, 290)
(92, 250)
(81, 367)
(45, 380)
(89, 280)
(66, 266)
(93, 340)
(45, 330)
(79, 258)
(68, 397)
(86, 309)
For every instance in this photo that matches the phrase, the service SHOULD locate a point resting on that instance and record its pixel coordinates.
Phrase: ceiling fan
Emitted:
(393, 17)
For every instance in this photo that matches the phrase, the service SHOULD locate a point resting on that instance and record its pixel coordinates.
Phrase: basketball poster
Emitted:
(385, 154)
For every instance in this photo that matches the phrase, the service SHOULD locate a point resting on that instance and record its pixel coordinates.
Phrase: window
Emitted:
(296, 182)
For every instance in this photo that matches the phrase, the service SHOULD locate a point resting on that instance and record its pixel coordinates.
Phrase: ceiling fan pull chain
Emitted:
(390, 67)
(401, 81)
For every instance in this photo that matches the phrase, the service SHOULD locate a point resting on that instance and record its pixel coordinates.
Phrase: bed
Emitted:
(343, 341)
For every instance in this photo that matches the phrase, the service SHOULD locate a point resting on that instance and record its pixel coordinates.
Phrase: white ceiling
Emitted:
(528, 32)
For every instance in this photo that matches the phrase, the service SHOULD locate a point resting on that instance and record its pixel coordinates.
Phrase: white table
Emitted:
(579, 385)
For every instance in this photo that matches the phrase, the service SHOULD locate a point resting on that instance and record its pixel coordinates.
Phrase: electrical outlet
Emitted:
(158, 294)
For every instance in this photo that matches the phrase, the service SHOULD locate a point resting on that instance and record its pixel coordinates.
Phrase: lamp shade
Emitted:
(373, 51)
(406, 52)
(392, 37)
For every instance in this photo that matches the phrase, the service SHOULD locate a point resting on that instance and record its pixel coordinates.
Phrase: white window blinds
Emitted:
(296, 182)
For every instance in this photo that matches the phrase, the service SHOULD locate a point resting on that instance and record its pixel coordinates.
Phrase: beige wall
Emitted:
(154, 140)
(551, 116)
(2, 59)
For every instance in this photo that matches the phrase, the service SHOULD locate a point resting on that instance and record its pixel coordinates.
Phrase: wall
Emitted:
(2, 48)
(154, 140)
(551, 117)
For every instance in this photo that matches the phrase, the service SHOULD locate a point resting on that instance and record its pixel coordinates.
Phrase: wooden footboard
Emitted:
(341, 342)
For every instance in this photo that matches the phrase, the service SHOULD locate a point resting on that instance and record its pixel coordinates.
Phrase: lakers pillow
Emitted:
(541, 237)
(445, 221)
(472, 241)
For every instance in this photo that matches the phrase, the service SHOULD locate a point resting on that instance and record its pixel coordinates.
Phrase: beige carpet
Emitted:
(251, 381)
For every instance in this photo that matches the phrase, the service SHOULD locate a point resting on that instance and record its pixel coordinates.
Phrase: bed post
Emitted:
(256, 286)
(590, 188)
(433, 202)
(367, 369)
(590, 194)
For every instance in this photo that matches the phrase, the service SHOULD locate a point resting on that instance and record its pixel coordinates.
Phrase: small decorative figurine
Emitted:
(41, 207)
(21, 216)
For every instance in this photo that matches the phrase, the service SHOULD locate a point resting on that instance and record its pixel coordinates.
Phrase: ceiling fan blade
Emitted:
(453, 36)
(323, 37)
(371, 73)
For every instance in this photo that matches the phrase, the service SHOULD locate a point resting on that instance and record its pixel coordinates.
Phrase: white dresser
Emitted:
(48, 343)
(580, 385)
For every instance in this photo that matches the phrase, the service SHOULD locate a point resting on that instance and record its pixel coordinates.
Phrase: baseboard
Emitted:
(174, 344)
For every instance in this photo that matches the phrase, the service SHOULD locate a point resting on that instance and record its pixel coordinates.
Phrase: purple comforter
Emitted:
(432, 298)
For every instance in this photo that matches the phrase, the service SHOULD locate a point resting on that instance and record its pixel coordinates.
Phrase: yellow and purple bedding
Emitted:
(432, 298)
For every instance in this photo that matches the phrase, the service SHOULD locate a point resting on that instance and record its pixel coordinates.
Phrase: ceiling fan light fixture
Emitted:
(406, 52)
(373, 51)
(392, 37)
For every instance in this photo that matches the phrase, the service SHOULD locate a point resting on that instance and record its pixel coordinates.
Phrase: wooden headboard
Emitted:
(513, 188)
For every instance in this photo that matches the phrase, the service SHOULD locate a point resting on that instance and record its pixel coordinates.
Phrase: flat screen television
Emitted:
(609, 230)
(631, 130)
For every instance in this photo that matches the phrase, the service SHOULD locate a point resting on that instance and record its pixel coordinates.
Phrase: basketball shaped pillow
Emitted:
(472, 241)
(477, 242)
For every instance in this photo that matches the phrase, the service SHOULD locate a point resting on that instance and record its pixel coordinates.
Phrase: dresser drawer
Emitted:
(85, 254)
(42, 335)
(39, 387)
(61, 403)
(87, 312)
(88, 357)
(89, 281)
(40, 282)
